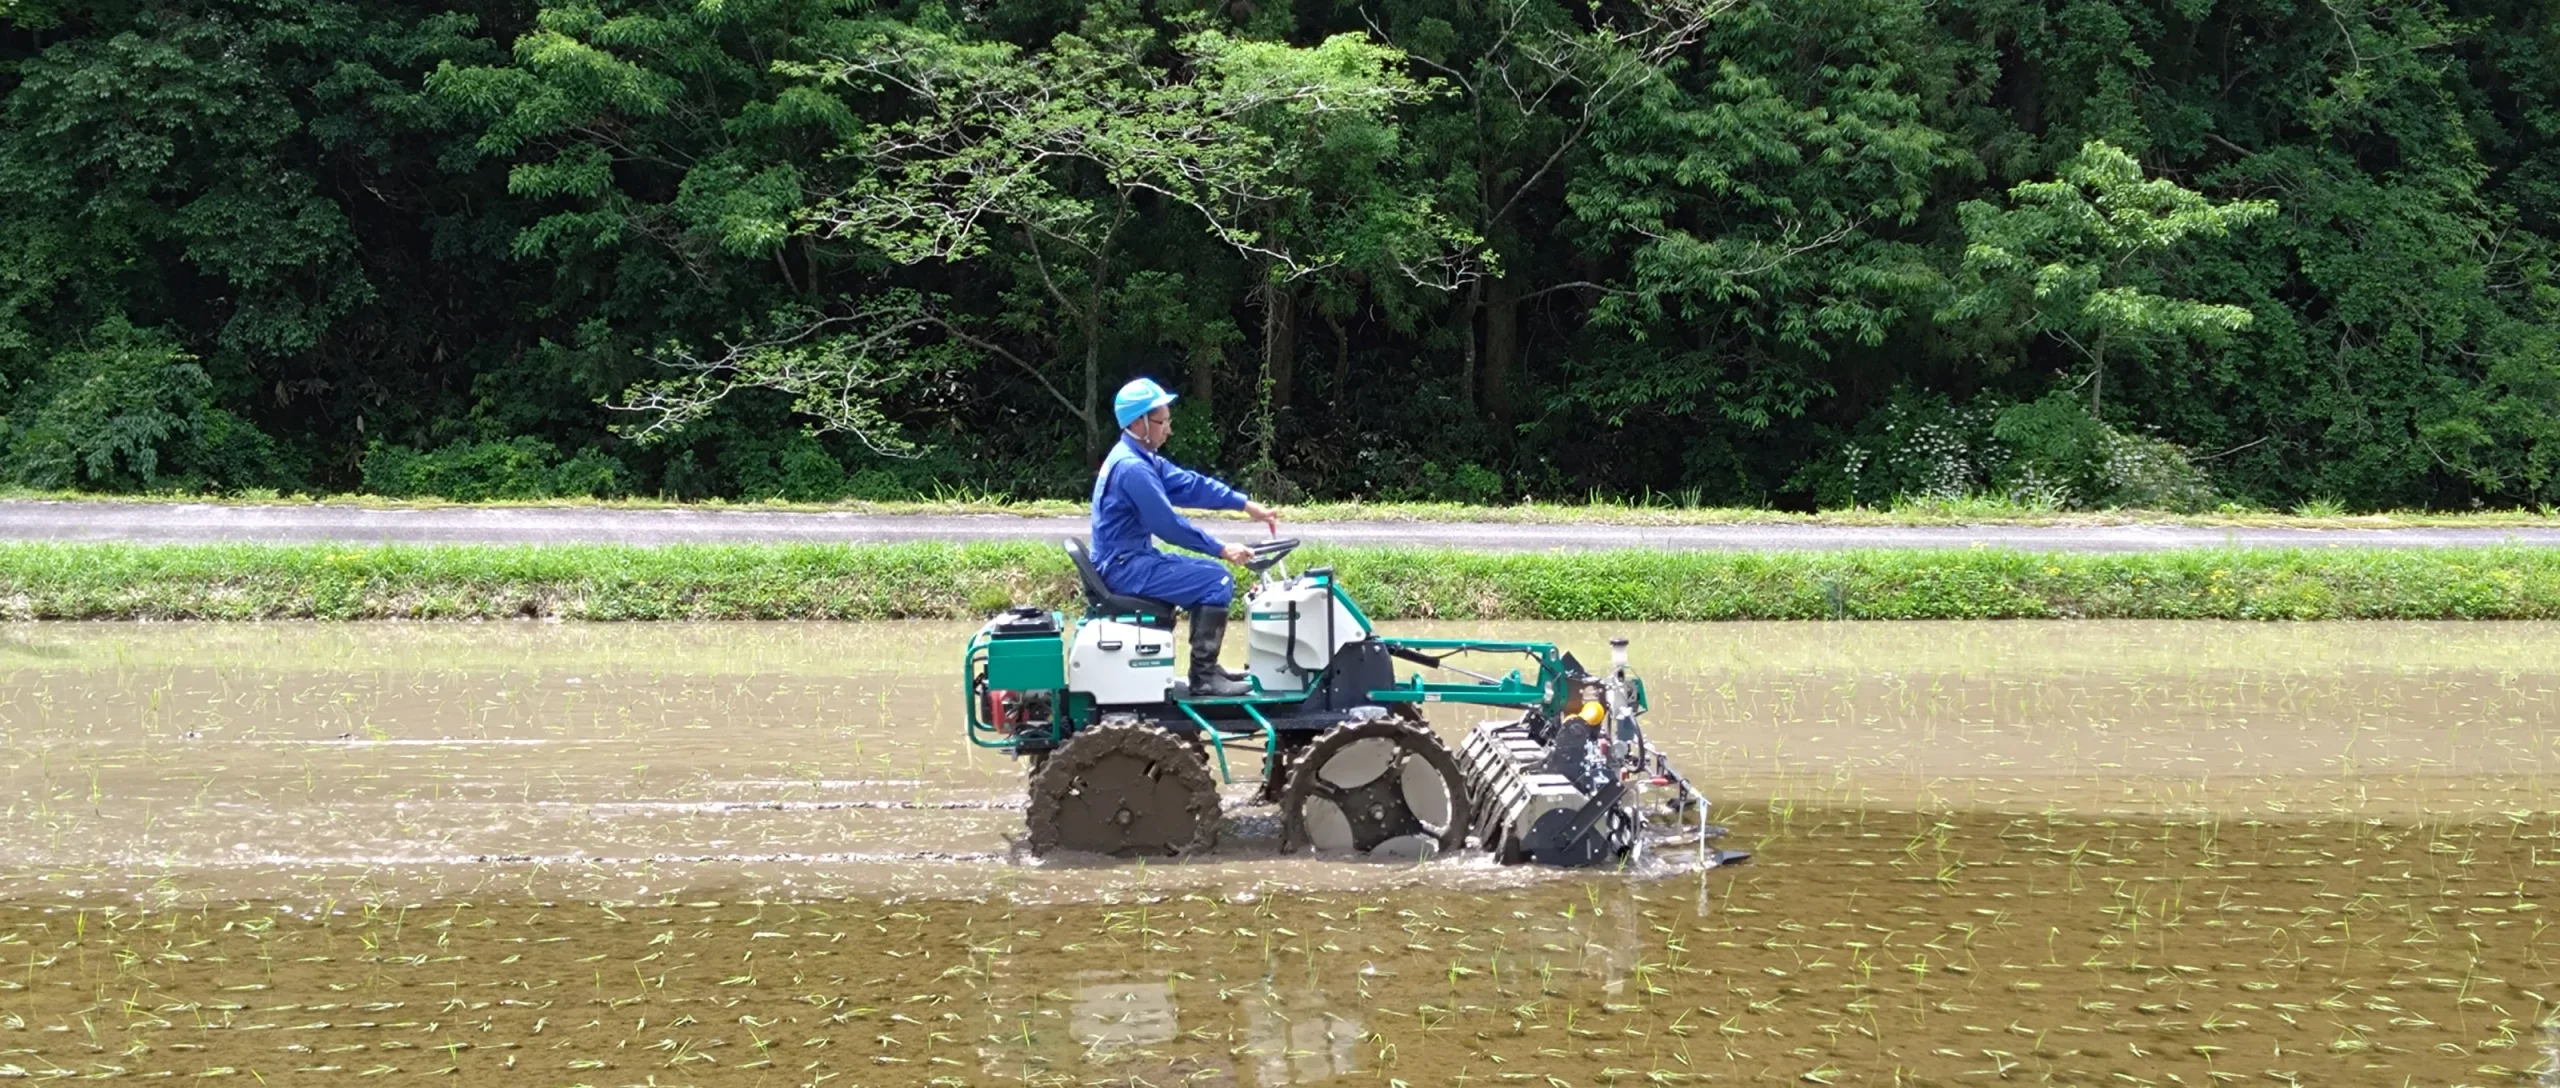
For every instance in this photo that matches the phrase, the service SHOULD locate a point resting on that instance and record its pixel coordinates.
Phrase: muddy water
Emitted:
(2084, 853)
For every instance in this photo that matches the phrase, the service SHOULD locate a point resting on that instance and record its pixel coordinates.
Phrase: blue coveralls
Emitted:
(1133, 500)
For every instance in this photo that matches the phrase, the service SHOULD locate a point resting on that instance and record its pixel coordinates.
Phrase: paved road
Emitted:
(171, 523)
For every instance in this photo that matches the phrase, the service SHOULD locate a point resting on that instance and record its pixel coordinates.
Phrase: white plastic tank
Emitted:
(1292, 629)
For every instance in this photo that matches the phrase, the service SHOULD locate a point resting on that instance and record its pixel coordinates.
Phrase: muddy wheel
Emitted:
(1124, 789)
(1275, 768)
(1384, 788)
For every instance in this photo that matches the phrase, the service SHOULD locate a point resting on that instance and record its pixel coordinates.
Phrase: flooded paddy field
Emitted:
(748, 854)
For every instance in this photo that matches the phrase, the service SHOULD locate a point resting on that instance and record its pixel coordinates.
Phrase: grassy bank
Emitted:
(247, 582)
(1584, 511)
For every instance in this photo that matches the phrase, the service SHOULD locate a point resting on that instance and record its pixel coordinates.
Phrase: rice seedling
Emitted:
(2135, 853)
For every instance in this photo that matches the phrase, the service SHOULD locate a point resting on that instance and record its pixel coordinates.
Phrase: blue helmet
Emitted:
(1136, 399)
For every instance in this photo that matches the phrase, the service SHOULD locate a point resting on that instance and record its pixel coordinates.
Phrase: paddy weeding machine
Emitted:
(1122, 754)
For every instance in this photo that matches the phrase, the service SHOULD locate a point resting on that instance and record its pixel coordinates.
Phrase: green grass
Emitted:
(860, 582)
(1657, 510)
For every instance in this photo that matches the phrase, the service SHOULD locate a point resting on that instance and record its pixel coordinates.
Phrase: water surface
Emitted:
(761, 854)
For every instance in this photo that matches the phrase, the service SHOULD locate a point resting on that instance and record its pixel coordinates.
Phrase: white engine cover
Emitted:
(1121, 663)
(1287, 661)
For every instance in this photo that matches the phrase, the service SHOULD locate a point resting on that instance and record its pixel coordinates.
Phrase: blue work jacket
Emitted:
(1133, 499)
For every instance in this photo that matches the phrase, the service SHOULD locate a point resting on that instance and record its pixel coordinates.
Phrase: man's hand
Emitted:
(1264, 514)
(1237, 554)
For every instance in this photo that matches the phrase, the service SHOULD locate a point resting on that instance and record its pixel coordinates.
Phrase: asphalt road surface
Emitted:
(189, 523)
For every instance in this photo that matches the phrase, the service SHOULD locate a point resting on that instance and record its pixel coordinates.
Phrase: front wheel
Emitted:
(1385, 788)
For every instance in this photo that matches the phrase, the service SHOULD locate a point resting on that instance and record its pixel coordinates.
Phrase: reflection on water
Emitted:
(1116, 1015)
(2059, 948)
(1122, 1020)
(1301, 1042)
(2076, 853)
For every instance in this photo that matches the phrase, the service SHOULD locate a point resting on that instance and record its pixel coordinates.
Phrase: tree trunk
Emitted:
(1204, 383)
(2098, 380)
(1341, 360)
(1280, 341)
(1467, 357)
(1095, 444)
(2026, 93)
(1098, 441)
(1501, 352)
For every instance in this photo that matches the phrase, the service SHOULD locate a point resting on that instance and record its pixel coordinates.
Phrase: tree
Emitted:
(1059, 150)
(836, 368)
(1346, 212)
(107, 409)
(2073, 258)
(657, 163)
(1547, 247)
(1535, 79)
(1765, 224)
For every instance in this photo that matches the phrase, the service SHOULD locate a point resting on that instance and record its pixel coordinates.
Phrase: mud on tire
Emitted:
(1125, 789)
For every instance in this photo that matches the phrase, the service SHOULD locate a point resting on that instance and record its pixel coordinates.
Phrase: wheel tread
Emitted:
(1052, 778)
(1407, 732)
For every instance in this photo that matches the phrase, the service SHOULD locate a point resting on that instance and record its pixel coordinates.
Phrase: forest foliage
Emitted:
(2075, 253)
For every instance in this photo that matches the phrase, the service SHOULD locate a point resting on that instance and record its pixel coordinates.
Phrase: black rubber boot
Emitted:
(1208, 633)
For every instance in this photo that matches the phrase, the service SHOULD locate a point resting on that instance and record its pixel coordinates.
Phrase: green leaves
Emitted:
(105, 410)
(835, 369)
(522, 467)
(607, 118)
(2072, 257)
(1694, 244)
(1057, 140)
(2073, 243)
(1761, 208)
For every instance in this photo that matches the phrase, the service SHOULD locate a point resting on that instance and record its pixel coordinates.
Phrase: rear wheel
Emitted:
(1383, 788)
(1124, 789)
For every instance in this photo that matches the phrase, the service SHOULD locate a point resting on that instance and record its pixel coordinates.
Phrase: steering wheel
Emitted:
(1270, 552)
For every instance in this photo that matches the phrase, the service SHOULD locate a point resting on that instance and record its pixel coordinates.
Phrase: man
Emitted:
(1133, 500)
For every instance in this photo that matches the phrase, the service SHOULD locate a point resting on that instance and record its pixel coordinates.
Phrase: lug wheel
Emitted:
(1384, 788)
(1124, 789)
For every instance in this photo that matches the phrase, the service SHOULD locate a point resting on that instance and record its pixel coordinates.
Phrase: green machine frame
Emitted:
(1543, 688)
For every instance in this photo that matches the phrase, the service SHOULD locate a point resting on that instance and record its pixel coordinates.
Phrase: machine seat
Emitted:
(1100, 601)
